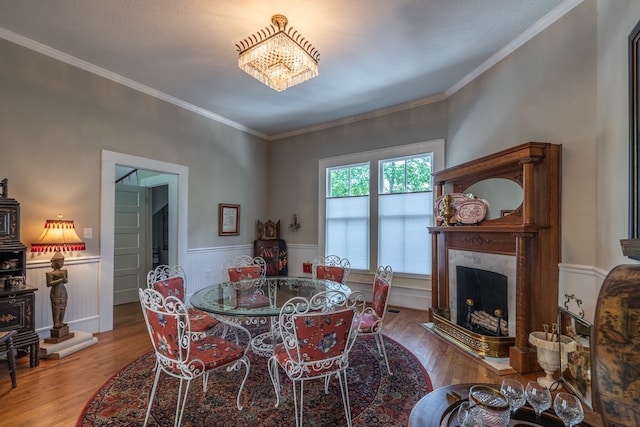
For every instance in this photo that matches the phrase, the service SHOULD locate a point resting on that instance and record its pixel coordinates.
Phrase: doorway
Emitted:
(176, 227)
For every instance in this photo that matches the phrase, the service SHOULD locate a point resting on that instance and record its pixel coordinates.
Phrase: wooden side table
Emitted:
(439, 408)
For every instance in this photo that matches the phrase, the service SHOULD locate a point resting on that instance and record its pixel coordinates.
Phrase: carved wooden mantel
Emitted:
(531, 233)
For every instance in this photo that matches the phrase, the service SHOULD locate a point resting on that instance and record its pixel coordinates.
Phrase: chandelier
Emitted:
(278, 55)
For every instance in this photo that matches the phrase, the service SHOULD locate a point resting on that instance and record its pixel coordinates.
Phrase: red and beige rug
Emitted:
(377, 399)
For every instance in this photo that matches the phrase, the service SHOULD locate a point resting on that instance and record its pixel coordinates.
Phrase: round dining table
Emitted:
(257, 299)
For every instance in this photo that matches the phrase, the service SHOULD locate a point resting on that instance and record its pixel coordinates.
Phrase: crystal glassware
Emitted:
(514, 391)
(493, 405)
(568, 408)
(469, 415)
(538, 397)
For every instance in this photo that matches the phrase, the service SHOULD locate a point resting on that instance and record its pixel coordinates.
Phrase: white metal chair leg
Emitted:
(344, 389)
(151, 396)
(181, 401)
(383, 351)
(272, 364)
(244, 361)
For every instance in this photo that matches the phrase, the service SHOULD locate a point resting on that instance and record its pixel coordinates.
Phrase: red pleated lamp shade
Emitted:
(59, 235)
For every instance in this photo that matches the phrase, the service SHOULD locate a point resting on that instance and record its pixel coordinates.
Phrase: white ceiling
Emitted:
(374, 54)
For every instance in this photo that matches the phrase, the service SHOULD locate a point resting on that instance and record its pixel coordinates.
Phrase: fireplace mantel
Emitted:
(531, 233)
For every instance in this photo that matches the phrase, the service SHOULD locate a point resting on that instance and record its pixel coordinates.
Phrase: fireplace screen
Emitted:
(482, 302)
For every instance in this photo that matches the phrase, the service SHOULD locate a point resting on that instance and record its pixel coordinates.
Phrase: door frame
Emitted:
(179, 210)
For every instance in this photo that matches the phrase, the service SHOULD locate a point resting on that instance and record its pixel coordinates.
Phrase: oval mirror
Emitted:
(502, 195)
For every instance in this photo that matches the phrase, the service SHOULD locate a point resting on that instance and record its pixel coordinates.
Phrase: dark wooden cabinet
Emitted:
(274, 253)
(17, 299)
(17, 312)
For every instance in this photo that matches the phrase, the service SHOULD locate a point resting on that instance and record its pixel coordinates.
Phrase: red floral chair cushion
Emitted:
(201, 321)
(210, 351)
(371, 319)
(328, 272)
(380, 294)
(173, 286)
(237, 274)
(320, 337)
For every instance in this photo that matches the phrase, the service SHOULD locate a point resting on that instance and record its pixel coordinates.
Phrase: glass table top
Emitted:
(259, 297)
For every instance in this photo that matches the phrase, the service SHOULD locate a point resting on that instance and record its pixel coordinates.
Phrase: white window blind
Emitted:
(402, 223)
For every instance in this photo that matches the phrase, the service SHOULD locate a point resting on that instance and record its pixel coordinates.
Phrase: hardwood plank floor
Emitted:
(54, 393)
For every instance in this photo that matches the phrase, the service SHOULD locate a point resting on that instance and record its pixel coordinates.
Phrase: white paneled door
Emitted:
(130, 263)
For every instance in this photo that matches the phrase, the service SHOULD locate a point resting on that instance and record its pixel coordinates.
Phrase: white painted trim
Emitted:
(107, 201)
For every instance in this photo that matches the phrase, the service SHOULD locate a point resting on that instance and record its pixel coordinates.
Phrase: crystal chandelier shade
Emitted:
(278, 56)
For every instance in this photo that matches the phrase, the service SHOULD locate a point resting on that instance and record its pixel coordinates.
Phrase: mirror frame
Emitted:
(634, 136)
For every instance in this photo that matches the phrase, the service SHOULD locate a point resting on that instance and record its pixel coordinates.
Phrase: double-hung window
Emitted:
(375, 207)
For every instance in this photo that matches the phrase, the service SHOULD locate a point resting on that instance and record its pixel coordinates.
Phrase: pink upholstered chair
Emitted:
(317, 336)
(372, 319)
(331, 267)
(177, 355)
(171, 281)
(250, 273)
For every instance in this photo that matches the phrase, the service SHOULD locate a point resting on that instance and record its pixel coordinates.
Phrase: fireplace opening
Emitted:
(482, 303)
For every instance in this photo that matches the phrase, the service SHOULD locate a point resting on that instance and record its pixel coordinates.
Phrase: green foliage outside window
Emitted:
(401, 175)
(349, 181)
(408, 175)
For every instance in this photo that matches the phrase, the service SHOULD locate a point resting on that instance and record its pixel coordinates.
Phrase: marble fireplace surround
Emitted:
(497, 263)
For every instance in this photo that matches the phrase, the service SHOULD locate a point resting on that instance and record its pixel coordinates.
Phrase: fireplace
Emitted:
(490, 281)
(521, 244)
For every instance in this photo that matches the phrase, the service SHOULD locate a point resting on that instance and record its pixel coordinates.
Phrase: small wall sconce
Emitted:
(295, 225)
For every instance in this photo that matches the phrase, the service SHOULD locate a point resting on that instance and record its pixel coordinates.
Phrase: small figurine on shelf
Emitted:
(447, 211)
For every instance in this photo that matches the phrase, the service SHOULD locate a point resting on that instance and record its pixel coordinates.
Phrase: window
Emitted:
(375, 207)
(405, 209)
(347, 214)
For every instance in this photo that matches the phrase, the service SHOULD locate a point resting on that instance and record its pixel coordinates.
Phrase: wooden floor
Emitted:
(55, 393)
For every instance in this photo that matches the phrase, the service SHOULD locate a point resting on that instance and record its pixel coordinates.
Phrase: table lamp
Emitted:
(59, 235)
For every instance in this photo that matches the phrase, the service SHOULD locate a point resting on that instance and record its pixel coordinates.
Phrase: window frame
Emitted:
(373, 157)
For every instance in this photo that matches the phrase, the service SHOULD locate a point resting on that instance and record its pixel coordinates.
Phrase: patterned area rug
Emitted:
(377, 399)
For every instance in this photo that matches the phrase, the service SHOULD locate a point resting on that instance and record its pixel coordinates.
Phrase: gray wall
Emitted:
(545, 91)
(55, 119)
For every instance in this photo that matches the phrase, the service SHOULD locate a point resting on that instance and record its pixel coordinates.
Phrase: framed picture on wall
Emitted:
(228, 219)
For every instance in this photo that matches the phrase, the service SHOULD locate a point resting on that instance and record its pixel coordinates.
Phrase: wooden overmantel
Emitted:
(531, 233)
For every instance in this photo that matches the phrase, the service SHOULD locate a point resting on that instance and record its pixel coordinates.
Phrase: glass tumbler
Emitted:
(493, 405)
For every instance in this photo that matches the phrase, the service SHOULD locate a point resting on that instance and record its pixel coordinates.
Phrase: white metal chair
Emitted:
(317, 336)
(372, 319)
(331, 267)
(179, 356)
(171, 281)
(249, 273)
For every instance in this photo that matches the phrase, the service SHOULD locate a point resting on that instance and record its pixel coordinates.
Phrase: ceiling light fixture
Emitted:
(278, 56)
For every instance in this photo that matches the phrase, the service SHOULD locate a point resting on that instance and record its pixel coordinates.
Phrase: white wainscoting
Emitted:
(203, 268)
(82, 302)
(583, 281)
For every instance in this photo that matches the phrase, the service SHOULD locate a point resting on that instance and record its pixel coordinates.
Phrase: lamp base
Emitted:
(59, 335)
